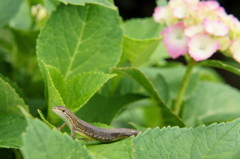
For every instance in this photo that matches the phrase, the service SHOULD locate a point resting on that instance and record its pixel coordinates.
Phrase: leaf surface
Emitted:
(141, 38)
(217, 141)
(12, 122)
(74, 92)
(222, 65)
(40, 142)
(12, 126)
(105, 3)
(91, 42)
(212, 102)
(117, 150)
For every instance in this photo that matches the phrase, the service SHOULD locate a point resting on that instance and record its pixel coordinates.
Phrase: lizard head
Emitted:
(63, 113)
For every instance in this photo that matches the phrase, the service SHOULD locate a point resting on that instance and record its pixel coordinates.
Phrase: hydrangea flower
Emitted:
(39, 12)
(202, 46)
(175, 40)
(235, 50)
(199, 28)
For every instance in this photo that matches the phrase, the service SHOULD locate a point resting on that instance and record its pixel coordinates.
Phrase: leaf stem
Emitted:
(183, 87)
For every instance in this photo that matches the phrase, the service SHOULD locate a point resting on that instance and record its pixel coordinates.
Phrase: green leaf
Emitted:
(116, 150)
(8, 9)
(105, 3)
(14, 85)
(138, 127)
(54, 97)
(161, 2)
(141, 38)
(220, 64)
(213, 142)
(44, 119)
(91, 42)
(12, 126)
(73, 92)
(158, 56)
(145, 113)
(12, 122)
(211, 102)
(98, 105)
(137, 52)
(209, 74)
(40, 142)
(142, 29)
(174, 82)
(9, 100)
(158, 82)
(23, 18)
(123, 85)
(168, 117)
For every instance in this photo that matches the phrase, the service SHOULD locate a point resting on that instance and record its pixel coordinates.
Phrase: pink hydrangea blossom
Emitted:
(160, 13)
(180, 8)
(192, 30)
(175, 40)
(210, 5)
(199, 28)
(235, 50)
(215, 27)
(163, 14)
(202, 46)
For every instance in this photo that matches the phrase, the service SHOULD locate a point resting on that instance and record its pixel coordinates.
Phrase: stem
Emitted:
(183, 87)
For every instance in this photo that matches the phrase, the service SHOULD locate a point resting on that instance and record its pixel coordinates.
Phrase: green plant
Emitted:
(112, 73)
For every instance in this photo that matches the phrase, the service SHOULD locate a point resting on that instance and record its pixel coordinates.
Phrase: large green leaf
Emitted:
(91, 43)
(12, 122)
(105, 3)
(117, 150)
(40, 142)
(9, 100)
(137, 52)
(73, 92)
(217, 141)
(142, 29)
(12, 126)
(141, 38)
(79, 39)
(168, 117)
(8, 9)
(211, 102)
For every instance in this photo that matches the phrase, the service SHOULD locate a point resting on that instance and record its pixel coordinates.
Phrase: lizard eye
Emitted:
(63, 110)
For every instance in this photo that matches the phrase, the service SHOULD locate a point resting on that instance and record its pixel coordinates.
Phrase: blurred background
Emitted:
(144, 8)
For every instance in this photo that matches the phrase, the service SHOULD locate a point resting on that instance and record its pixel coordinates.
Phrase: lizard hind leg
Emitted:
(73, 133)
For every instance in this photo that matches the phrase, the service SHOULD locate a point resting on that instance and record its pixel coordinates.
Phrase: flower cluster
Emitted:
(199, 28)
(39, 12)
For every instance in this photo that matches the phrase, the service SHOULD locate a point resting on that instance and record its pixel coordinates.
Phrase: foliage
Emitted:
(81, 55)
